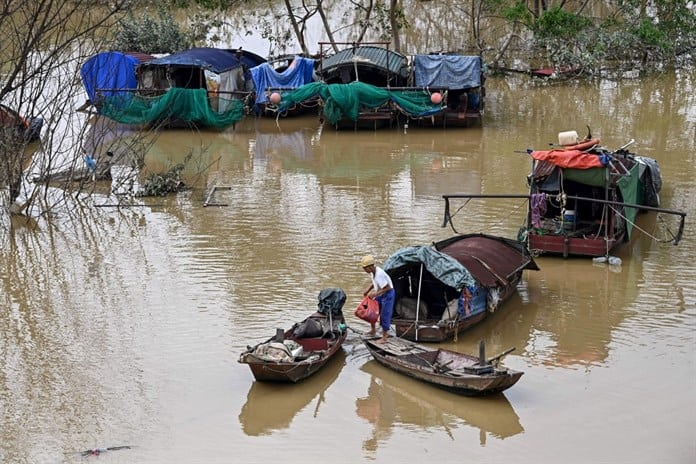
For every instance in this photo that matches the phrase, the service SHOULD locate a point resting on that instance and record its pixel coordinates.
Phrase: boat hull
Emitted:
(446, 369)
(436, 331)
(573, 246)
(318, 352)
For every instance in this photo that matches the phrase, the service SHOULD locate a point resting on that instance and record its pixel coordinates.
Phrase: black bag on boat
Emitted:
(331, 299)
(309, 328)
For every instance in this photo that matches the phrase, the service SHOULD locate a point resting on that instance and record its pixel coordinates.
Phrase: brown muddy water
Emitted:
(123, 327)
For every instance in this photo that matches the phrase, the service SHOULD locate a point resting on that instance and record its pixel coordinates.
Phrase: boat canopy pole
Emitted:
(420, 281)
(677, 237)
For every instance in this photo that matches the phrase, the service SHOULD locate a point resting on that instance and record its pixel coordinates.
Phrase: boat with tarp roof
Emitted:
(584, 199)
(199, 87)
(452, 285)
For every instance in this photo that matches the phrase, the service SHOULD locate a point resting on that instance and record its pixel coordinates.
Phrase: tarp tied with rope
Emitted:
(443, 267)
(345, 101)
(189, 105)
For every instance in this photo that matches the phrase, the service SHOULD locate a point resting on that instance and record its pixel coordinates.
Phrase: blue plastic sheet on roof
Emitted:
(451, 71)
(299, 73)
(443, 267)
(109, 73)
(215, 60)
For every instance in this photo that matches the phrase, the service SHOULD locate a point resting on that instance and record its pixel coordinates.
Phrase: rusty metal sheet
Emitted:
(491, 260)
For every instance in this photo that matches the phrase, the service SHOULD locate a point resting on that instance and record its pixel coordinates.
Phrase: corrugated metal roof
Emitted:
(367, 55)
(491, 260)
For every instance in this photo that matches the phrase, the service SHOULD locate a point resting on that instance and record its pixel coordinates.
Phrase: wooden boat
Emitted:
(454, 371)
(584, 198)
(371, 63)
(457, 83)
(444, 289)
(294, 354)
(199, 87)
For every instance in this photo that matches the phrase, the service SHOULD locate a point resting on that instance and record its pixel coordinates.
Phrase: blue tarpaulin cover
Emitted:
(216, 60)
(109, 70)
(443, 267)
(299, 73)
(451, 71)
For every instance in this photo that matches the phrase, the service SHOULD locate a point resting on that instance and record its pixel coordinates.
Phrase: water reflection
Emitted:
(567, 334)
(271, 407)
(394, 400)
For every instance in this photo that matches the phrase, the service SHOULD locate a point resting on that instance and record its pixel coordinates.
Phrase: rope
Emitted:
(639, 228)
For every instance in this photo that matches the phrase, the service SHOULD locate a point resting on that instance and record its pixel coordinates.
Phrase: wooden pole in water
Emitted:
(420, 281)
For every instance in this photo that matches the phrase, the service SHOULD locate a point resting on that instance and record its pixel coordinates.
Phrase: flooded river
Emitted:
(123, 327)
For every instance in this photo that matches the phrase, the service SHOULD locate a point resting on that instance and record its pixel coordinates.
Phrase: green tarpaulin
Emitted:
(443, 267)
(629, 185)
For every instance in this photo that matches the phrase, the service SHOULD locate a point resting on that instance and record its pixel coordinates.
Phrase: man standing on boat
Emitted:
(382, 290)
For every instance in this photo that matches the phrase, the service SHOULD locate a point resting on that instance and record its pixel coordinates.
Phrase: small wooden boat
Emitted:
(454, 371)
(444, 289)
(294, 354)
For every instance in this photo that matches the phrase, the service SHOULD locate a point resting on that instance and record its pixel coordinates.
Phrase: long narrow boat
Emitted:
(444, 289)
(454, 371)
(294, 354)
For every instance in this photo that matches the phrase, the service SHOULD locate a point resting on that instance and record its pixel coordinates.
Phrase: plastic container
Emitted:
(569, 219)
(568, 138)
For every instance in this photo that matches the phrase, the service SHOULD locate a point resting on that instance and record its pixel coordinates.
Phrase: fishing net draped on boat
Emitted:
(345, 101)
(189, 105)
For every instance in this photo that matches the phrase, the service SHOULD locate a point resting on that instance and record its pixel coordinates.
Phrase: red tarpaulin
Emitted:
(568, 158)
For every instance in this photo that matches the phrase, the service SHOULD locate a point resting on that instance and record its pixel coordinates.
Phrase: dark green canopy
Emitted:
(443, 267)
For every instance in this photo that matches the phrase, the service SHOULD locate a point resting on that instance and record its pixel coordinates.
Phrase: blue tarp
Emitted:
(299, 73)
(109, 70)
(212, 59)
(443, 267)
(450, 71)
